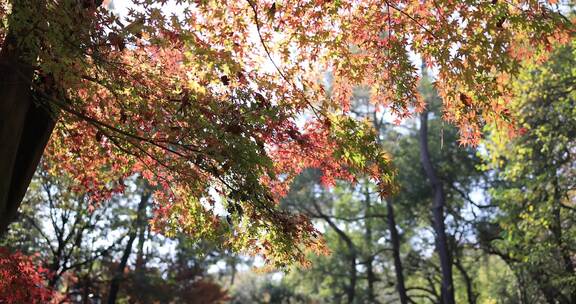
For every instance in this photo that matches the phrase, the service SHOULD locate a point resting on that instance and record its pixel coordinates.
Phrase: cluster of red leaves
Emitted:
(21, 281)
(311, 148)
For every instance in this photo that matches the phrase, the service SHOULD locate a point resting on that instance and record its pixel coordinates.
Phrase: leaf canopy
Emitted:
(207, 104)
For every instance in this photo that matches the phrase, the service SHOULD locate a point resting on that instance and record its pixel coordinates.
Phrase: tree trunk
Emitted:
(371, 279)
(351, 290)
(563, 249)
(116, 280)
(352, 255)
(467, 281)
(142, 227)
(115, 283)
(395, 239)
(26, 122)
(370, 275)
(438, 213)
(25, 127)
(15, 102)
(232, 263)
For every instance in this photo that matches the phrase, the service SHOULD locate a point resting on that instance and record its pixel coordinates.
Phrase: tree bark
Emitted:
(232, 263)
(395, 240)
(370, 275)
(142, 228)
(563, 249)
(25, 126)
(139, 268)
(467, 281)
(26, 122)
(439, 203)
(116, 280)
(15, 101)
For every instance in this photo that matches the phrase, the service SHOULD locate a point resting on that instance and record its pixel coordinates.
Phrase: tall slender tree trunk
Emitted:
(116, 280)
(370, 275)
(351, 290)
(563, 249)
(439, 203)
(140, 260)
(140, 274)
(371, 279)
(118, 276)
(232, 263)
(395, 239)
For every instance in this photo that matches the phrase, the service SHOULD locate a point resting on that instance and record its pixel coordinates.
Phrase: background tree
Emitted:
(88, 252)
(65, 227)
(534, 185)
(351, 215)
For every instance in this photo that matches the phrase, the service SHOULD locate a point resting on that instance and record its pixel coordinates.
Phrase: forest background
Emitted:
(454, 185)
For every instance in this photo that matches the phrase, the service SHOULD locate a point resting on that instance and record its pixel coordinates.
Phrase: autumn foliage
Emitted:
(208, 104)
(22, 280)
